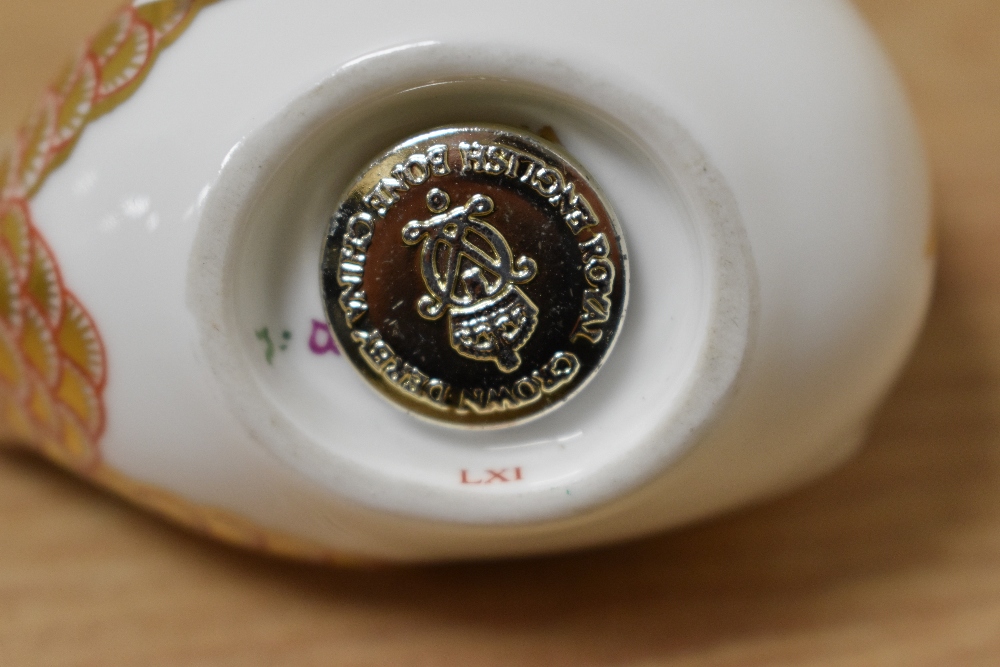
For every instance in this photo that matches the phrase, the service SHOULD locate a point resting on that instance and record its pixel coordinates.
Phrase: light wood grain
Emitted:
(894, 560)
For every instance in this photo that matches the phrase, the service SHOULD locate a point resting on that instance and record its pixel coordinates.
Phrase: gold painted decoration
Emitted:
(52, 361)
(53, 365)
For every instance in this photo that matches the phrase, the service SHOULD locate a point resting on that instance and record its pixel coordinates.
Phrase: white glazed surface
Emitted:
(817, 176)
(676, 361)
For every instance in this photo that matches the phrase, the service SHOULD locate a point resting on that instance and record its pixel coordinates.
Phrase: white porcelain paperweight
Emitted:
(460, 281)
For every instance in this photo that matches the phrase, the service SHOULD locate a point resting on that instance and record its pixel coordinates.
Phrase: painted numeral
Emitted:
(492, 476)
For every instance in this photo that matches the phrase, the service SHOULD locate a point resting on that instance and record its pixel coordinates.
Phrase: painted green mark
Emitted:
(265, 336)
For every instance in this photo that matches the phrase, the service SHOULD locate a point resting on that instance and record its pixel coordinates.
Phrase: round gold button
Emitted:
(475, 275)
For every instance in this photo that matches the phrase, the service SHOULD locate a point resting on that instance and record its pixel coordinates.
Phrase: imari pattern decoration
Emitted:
(53, 366)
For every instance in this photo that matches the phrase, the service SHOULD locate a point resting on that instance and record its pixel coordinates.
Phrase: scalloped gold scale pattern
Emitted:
(53, 365)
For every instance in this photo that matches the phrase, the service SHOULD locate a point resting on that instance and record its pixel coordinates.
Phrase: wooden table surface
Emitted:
(893, 560)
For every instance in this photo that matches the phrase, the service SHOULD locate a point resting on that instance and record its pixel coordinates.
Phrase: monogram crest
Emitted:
(471, 277)
(474, 275)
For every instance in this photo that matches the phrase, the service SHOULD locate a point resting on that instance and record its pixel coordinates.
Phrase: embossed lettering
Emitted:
(351, 268)
(472, 156)
(596, 246)
(414, 171)
(478, 290)
(599, 273)
(596, 308)
(377, 200)
(560, 369)
(354, 304)
(574, 209)
(546, 180)
(437, 159)
(380, 356)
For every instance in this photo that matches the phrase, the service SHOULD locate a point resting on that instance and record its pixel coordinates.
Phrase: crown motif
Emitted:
(471, 274)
